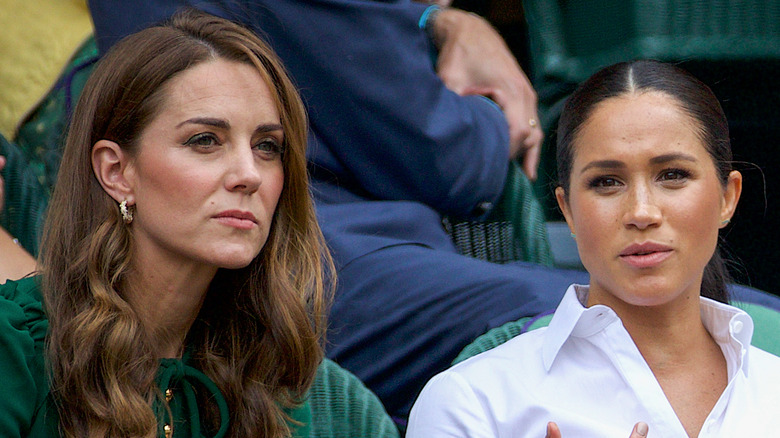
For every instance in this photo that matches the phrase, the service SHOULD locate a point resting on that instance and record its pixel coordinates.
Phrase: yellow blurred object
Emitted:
(37, 40)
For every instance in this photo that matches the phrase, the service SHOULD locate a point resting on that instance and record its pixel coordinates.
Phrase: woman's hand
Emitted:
(639, 431)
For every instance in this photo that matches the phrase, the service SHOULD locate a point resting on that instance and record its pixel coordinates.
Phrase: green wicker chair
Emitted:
(514, 230)
(343, 407)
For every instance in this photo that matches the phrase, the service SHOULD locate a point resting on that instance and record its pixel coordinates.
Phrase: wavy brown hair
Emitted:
(259, 333)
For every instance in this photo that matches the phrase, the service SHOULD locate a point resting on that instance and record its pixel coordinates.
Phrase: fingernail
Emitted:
(641, 428)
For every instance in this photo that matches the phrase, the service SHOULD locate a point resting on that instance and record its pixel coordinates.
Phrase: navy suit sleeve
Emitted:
(386, 125)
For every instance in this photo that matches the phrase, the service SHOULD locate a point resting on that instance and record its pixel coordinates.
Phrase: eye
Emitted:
(203, 140)
(269, 147)
(604, 182)
(674, 175)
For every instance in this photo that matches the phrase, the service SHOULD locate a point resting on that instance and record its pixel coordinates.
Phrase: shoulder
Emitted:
(496, 370)
(762, 379)
(468, 399)
(763, 364)
(21, 308)
(23, 327)
(524, 348)
(491, 373)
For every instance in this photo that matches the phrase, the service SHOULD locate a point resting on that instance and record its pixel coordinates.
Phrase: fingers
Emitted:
(525, 137)
(519, 103)
(474, 59)
(553, 431)
(531, 160)
(640, 430)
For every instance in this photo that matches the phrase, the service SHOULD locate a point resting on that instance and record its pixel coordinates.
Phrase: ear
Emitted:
(560, 196)
(113, 170)
(731, 196)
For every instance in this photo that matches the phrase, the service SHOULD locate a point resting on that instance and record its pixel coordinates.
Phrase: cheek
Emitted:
(698, 218)
(595, 223)
(594, 217)
(274, 181)
(172, 184)
(271, 189)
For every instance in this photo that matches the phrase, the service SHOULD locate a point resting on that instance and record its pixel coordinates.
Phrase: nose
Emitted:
(244, 171)
(641, 209)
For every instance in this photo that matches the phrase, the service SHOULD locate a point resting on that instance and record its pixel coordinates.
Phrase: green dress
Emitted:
(26, 408)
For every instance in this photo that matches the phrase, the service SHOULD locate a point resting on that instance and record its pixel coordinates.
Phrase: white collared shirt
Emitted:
(585, 373)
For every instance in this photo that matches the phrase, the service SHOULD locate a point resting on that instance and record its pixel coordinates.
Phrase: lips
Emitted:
(237, 218)
(645, 255)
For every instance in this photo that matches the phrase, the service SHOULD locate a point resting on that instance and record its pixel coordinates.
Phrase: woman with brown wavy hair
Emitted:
(182, 269)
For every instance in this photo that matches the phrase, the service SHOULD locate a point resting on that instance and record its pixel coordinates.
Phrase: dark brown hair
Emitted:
(259, 338)
(694, 98)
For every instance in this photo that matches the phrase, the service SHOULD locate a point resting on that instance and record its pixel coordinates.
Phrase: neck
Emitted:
(669, 333)
(684, 358)
(167, 297)
(671, 339)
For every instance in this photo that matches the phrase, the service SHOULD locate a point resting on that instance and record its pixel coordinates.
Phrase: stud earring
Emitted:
(573, 236)
(127, 213)
(725, 221)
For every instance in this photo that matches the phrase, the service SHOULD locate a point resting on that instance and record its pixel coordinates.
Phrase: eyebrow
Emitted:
(224, 124)
(269, 127)
(217, 123)
(616, 164)
(672, 157)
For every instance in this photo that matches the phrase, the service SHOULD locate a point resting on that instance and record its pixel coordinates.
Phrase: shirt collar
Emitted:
(731, 328)
(572, 318)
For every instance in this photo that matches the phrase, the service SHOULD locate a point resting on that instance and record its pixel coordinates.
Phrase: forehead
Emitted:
(219, 84)
(637, 124)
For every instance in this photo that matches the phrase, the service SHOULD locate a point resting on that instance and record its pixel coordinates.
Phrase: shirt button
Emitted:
(736, 327)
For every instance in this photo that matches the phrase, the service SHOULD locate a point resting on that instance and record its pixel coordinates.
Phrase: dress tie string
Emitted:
(176, 373)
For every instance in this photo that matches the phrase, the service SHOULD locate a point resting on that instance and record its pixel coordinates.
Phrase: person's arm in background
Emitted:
(473, 59)
(15, 262)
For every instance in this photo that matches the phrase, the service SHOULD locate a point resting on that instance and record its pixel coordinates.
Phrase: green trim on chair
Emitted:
(766, 322)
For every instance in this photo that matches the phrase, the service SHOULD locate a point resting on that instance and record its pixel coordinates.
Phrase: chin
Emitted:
(235, 260)
(234, 265)
(651, 296)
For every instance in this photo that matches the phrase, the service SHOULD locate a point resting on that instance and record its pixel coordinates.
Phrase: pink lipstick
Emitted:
(645, 255)
(243, 220)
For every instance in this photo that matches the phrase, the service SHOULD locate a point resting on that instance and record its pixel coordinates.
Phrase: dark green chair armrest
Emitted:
(342, 406)
(513, 231)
